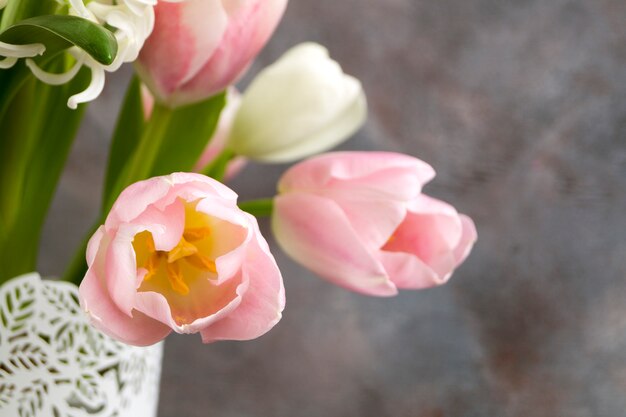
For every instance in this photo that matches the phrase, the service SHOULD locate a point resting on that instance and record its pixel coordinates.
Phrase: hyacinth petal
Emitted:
(315, 232)
(186, 34)
(380, 174)
(264, 300)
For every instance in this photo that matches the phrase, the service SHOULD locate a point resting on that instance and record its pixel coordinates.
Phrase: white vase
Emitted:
(54, 364)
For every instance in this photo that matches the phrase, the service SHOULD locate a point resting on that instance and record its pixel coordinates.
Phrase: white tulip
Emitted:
(301, 105)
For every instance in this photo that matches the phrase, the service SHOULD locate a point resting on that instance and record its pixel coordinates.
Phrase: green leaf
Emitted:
(128, 131)
(51, 138)
(188, 133)
(59, 32)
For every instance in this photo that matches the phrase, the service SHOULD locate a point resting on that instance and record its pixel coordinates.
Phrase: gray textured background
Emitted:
(520, 105)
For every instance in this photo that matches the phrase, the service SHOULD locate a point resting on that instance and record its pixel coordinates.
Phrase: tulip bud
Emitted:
(361, 221)
(200, 47)
(301, 105)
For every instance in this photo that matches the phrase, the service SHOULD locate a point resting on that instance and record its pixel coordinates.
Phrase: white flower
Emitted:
(301, 105)
(132, 21)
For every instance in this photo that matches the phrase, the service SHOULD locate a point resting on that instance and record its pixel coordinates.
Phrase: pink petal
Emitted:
(249, 28)
(205, 304)
(94, 244)
(200, 186)
(235, 234)
(370, 174)
(316, 232)
(135, 199)
(137, 329)
(408, 272)
(467, 241)
(222, 131)
(263, 302)
(185, 36)
(166, 225)
(373, 220)
(432, 233)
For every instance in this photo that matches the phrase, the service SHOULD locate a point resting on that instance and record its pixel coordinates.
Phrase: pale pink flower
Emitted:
(176, 253)
(220, 138)
(200, 47)
(360, 220)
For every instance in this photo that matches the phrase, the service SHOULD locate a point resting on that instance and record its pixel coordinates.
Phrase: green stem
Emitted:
(17, 10)
(138, 167)
(258, 208)
(142, 162)
(44, 143)
(216, 169)
(18, 133)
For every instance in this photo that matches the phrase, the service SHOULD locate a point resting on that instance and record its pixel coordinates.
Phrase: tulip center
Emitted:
(171, 262)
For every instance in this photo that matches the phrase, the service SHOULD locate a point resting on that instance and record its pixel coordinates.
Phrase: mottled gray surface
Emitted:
(520, 105)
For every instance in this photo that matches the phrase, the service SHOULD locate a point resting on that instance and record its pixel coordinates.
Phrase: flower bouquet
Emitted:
(173, 249)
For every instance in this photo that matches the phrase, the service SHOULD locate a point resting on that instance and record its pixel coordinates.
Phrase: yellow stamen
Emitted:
(152, 265)
(202, 262)
(196, 233)
(150, 243)
(182, 250)
(176, 279)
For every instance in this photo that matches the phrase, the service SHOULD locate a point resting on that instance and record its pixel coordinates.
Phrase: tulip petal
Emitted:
(205, 305)
(263, 302)
(250, 24)
(467, 241)
(431, 231)
(373, 220)
(326, 135)
(408, 272)
(301, 104)
(385, 175)
(135, 199)
(315, 232)
(137, 329)
(185, 36)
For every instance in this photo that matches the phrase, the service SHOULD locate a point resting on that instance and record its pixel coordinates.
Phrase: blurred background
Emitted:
(521, 108)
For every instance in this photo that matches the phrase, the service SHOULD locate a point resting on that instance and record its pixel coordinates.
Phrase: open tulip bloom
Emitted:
(174, 251)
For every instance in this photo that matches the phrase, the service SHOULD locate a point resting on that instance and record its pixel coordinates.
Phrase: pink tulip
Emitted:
(359, 220)
(220, 137)
(200, 47)
(176, 253)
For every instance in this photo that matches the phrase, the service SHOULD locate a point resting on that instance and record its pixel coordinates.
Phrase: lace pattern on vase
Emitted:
(54, 364)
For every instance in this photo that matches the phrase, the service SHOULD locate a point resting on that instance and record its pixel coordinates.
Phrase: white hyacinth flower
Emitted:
(132, 20)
